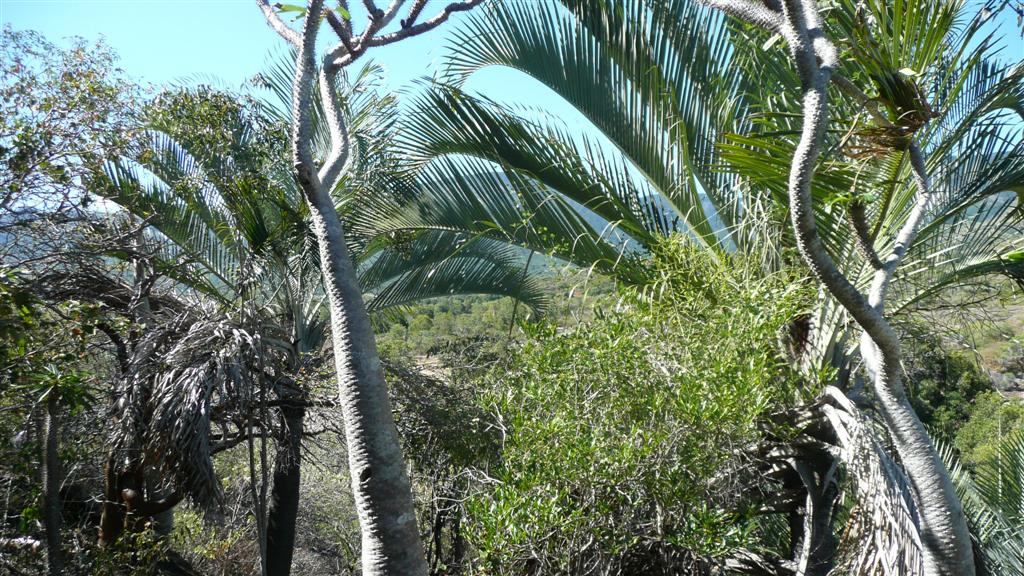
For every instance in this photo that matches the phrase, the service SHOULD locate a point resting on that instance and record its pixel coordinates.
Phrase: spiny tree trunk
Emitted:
(945, 538)
(383, 495)
(284, 495)
(52, 519)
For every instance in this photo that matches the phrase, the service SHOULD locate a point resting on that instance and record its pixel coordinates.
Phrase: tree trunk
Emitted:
(52, 519)
(112, 515)
(380, 484)
(161, 521)
(284, 495)
(383, 494)
(945, 537)
(946, 545)
(944, 533)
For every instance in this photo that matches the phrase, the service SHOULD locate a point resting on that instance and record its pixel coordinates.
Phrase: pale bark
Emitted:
(380, 483)
(943, 526)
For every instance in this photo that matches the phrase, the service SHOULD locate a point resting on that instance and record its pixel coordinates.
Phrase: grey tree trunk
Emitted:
(51, 477)
(284, 495)
(383, 495)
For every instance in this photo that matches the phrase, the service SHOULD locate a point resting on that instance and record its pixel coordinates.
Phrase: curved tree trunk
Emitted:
(284, 495)
(944, 526)
(52, 518)
(383, 494)
(387, 518)
(945, 539)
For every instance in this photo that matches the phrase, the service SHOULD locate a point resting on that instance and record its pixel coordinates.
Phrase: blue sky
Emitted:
(166, 40)
(162, 41)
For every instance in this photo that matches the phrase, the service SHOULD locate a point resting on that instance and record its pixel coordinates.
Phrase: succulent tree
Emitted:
(380, 484)
(945, 539)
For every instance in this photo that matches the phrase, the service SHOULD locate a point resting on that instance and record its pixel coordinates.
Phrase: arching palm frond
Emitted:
(442, 263)
(364, 200)
(654, 78)
(993, 499)
(466, 195)
(542, 152)
(656, 83)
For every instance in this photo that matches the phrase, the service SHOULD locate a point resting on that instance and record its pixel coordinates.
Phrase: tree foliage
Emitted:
(621, 439)
(62, 111)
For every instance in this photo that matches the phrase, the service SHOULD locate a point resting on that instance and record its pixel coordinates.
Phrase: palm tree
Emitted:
(683, 138)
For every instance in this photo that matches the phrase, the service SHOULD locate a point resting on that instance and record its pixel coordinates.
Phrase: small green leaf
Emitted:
(1014, 256)
(344, 13)
(290, 8)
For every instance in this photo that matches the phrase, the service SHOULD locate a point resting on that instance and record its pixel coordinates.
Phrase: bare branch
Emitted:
(422, 27)
(391, 12)
(347, 22)
(750, 12)
(343, 32)
(414, 13)
(856, 217)
(277, 24)
(375, 13)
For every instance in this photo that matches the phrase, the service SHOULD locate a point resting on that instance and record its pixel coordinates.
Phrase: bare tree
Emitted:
(945, 538)
(380, 483)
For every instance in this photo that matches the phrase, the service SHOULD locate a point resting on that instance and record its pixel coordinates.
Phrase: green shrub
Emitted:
(943, 384)
(620, 437)
(993, 418)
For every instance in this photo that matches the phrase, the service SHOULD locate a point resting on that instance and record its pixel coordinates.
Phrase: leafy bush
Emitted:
(993, 418)
(943, 384)
(620, 438)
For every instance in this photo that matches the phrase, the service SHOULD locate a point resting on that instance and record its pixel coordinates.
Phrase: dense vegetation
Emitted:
(299, 328)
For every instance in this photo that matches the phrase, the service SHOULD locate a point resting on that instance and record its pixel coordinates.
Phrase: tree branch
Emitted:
(302, 101)
(422, 27)
(277, 24)
(344, 32)
(414, 13)
(761, 15)
(880, 286)
(856, 217)
(335, 162)
(391, 12)
(120, 348)
(851, 90)
(371, 7)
